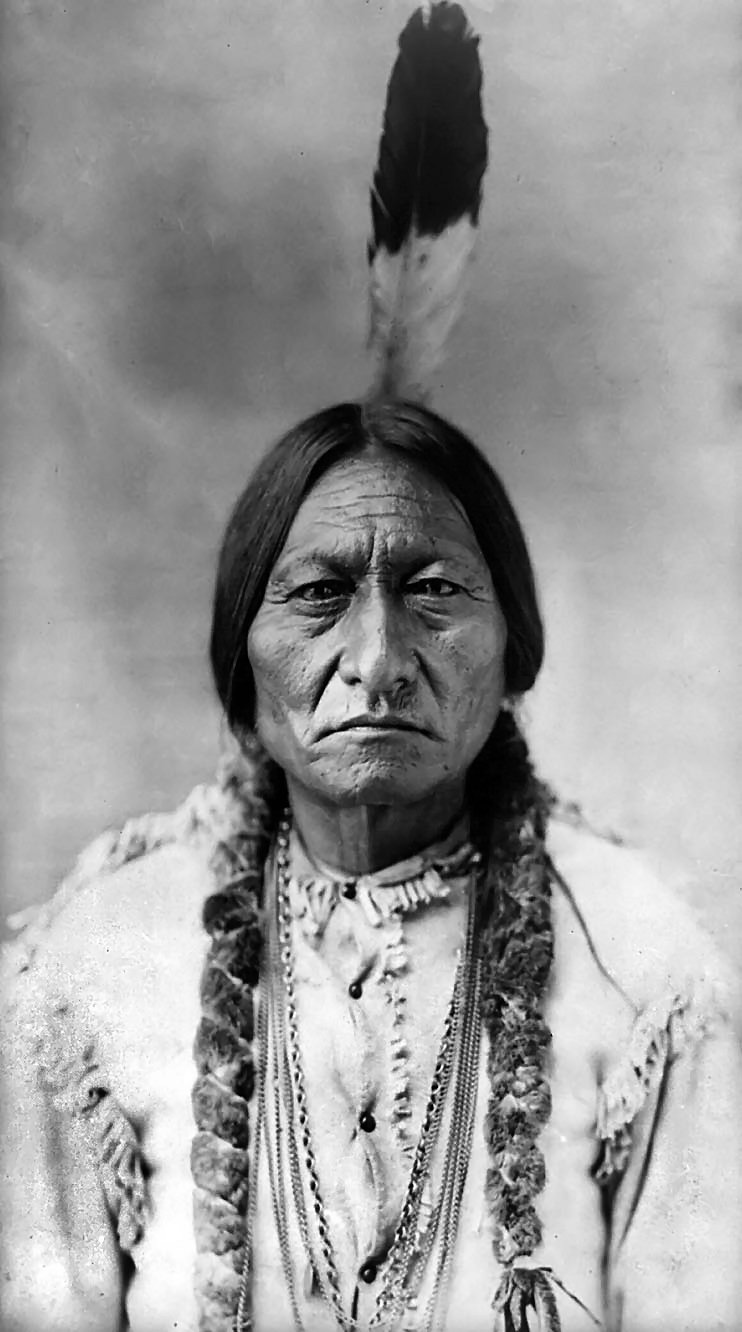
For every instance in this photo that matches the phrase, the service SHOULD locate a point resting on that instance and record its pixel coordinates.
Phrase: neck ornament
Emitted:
(284, 1118)
(509, 808)
(396, 891)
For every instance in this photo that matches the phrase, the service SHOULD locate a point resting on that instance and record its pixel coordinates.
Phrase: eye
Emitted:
(433, 587)
(321, 592)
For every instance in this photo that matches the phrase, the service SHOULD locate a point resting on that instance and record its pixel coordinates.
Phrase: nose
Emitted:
(378, 653)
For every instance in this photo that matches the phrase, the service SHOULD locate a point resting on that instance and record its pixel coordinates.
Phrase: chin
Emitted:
(375, 783)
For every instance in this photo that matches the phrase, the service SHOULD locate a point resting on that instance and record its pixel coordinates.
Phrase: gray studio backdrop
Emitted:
(183, 235)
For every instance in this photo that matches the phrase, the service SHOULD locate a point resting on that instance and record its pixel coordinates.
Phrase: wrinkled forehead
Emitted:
(384, 496)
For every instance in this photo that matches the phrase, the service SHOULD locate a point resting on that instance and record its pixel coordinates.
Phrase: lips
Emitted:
(368, 723)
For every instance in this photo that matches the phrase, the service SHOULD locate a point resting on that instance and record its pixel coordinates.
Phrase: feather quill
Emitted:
(425, 199)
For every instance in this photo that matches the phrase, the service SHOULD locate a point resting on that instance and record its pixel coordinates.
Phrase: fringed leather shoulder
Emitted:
(38, 986)
(39, 977)
(641, 929)
(661, 1032)
(209, 814)
(671, 984)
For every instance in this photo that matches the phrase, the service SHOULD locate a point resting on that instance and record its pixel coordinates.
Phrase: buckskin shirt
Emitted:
(102, 1004)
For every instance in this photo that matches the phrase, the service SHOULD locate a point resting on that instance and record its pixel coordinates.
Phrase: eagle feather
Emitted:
(425, 199)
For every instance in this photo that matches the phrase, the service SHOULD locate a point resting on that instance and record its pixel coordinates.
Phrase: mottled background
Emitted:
(183, 231)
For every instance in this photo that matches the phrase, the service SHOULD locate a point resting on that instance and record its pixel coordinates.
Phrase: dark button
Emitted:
(355, 989)
(367, 1123)
(368, 1273)
(349, 890)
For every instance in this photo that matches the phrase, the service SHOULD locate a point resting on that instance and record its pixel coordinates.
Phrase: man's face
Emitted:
(378, 650)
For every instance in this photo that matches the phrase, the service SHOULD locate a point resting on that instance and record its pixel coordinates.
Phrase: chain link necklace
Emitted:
(283, 1121)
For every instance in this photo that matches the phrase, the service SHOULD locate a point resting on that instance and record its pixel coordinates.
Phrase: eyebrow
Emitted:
(287, 564)
(342, 563)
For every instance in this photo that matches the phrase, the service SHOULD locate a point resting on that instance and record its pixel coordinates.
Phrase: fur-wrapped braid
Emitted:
(517, 948)
(222, 1049)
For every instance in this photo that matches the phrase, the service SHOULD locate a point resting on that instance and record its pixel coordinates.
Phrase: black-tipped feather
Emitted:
(425, 199)
(433, 150)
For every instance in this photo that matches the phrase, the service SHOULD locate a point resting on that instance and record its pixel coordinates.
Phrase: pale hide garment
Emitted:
(113, 983)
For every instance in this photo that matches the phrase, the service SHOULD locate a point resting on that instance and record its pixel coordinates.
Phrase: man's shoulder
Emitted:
(134, 894)
(639, 923)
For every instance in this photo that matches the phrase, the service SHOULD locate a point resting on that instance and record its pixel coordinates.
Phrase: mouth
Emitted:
(377, 725)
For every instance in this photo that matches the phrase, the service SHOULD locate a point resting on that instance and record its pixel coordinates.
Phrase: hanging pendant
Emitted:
(310, 1284)
(524, 1288)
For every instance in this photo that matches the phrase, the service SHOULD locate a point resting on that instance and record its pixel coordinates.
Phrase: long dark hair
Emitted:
(261, 519)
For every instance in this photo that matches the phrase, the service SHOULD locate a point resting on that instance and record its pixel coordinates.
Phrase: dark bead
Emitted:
(368, 1273)
(355, 989)
(349, 891)
(367, 1122)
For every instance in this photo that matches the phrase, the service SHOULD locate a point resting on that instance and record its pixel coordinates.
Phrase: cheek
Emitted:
(473, 662)
(281, 668)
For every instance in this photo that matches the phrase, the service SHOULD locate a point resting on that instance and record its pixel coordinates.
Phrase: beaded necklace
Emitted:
(282, 1084)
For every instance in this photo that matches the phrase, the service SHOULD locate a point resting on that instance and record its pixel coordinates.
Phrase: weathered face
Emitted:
(378, 649)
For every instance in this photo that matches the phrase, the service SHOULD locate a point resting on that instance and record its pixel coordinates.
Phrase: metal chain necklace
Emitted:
(282, 1084)
(403, 1285)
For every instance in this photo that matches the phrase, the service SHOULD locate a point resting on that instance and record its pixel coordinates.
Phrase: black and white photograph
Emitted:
(370, 406)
